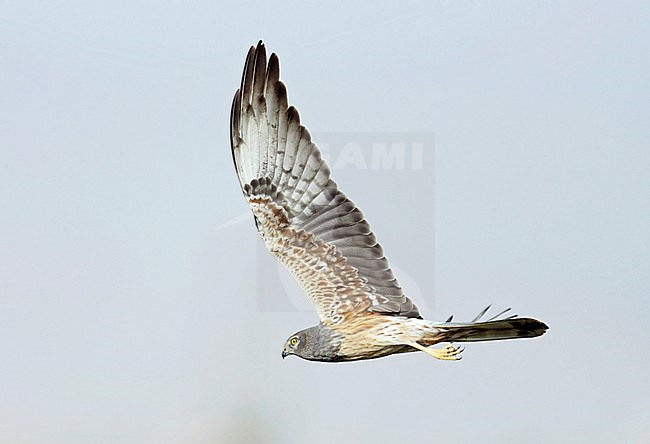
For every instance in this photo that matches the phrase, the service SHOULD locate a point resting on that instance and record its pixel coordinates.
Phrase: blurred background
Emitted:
(131, 304)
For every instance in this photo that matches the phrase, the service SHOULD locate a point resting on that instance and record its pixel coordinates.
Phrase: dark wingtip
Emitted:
(480, 315)
(261, 47)
(273, 72)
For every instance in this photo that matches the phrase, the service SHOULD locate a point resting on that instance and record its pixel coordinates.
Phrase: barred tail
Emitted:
(490, 330)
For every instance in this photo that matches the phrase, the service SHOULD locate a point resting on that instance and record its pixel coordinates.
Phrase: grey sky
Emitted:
(126, 316)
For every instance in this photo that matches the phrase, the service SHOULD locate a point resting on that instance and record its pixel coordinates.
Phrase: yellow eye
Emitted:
(293, 341)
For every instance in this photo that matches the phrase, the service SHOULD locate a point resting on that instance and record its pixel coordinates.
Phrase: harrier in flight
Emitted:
(322, 238)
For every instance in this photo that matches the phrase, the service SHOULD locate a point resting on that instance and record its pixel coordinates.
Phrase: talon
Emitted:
(448, 353)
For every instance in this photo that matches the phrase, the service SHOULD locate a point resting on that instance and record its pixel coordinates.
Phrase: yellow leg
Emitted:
(448, 353)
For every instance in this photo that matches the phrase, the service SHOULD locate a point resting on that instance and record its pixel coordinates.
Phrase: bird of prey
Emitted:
(322, 238)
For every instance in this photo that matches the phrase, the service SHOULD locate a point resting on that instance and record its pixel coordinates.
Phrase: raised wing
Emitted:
(305, 221)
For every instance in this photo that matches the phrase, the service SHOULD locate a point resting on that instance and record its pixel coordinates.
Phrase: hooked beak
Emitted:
(284, 354)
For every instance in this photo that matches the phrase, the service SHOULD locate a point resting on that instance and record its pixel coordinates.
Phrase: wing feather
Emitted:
(305, 221)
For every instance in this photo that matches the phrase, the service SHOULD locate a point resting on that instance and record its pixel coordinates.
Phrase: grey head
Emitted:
(318, 343)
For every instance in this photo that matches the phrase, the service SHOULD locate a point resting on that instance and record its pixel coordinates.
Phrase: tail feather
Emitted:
(511, 328)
